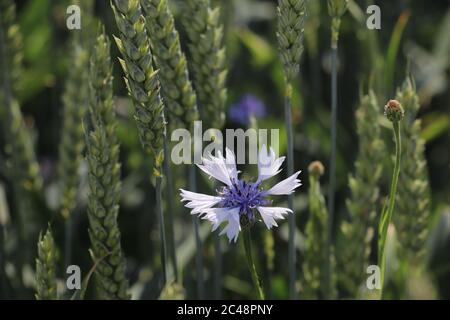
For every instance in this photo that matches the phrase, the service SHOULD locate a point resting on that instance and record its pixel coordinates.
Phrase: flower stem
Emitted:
(251, 263)
(198, 240)
(290, 171)
(160, 213)
(170, 209)
(217, 267)
(387, 214)
(332, 178)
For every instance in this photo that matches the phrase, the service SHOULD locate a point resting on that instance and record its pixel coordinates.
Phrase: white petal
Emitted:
(270, 214)
(198, 201)
(231, 164)
(222, 169)
(268, 164)
(287, 186)
(219, 215)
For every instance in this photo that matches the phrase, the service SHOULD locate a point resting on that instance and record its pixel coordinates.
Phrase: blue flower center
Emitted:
(243, 195)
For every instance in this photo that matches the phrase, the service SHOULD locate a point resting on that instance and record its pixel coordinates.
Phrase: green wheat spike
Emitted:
(176, 88)
(104, 178)
(207, 60)
(19, 147)
(413, 201)
(313, 281)
(46, 268)
(291, 20)
(172, 291)
(141, 78)
(12, 43)
(357, 233)
(23, 169)
(336, 9)
(75, 101)
(71, 146)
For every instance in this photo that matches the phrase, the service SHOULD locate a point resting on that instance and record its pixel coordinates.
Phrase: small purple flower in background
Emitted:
(238, 200)
(249, 106)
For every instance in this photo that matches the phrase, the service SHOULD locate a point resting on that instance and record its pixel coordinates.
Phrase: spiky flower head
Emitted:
(240, 202)
(393, 110)
(357, 233)
(12, 39)
(179, 96)
(18, 143)
(104, 178)
(207, 58)
(336, 9)
(291, 20)
(412, 218)
(46, 268)
(19, 164)
(315, 258)
(141, 78)
(75, 99)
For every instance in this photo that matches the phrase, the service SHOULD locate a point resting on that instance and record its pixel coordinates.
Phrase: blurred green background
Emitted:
(366, 58)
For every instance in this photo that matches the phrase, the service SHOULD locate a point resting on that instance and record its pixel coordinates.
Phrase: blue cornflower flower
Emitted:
(249, 106)
(240, 202)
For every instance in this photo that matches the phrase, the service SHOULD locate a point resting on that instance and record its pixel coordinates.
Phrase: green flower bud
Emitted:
(394, 111)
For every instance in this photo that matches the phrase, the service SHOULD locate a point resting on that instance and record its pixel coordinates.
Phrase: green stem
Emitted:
(332, 178)
(3, 279)
(217, 267)
(170, 208)
(390, 210)
(198, 240)
(160, 213)
(290, 171)
(251, 263)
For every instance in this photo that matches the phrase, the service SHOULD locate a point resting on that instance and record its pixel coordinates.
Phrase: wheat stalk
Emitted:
(104, 178)
(177, 91)
(71, 146)
(357, 234)
(336, 9)
(291, 19)
(208, 67)
(315, 260)
(23, 169)
(141, 78)
(144, 88)
(413, 201)
(46, 267)
(207, 58)
(176, 88)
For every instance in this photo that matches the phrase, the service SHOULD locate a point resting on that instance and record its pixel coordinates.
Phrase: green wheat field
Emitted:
(354, 202)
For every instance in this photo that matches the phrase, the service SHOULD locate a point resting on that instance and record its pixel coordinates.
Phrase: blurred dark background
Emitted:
(424, 49)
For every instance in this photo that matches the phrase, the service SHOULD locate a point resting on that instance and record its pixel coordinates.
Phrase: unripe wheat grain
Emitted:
(179, 97)
(207, 58)
(141, 78)
(104, 178)
(46, 268)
